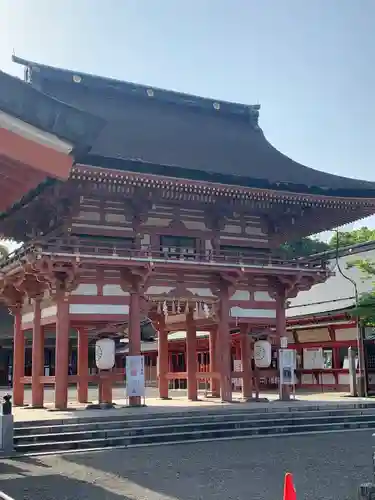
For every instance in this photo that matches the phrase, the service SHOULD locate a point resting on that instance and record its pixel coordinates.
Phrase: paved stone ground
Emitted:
(178, 402)
(325, 467)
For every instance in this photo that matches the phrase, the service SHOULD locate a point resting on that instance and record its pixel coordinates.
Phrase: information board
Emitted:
(135, 376)
(287, 364)
(313, 358)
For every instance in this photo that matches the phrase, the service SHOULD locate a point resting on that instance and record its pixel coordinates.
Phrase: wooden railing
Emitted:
(71, 248)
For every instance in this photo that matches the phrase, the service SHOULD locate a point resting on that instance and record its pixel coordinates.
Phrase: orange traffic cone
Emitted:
(289, 489)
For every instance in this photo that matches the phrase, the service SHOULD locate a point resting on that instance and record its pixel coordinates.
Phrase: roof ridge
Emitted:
(182, 98)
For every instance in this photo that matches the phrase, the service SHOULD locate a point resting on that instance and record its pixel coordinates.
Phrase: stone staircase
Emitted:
(130, 430)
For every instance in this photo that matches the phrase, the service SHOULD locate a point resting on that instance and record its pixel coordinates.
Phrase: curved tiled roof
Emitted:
(185, 133)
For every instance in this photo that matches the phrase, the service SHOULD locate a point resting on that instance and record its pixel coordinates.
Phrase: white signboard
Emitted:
(135, 376)
(287, 366)
(313, 358)
(237, 367)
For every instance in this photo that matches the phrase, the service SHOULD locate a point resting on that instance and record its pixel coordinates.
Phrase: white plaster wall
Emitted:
(159, 290)
(49, 311)
(27, 318)
(232, 229)
(201, 292)
(241, 295)
(118, 218)
(194, 225)
(86, 289)
(153, 221)
(239, 312)
(114, 291)
(263, 297)
(104, 309)
(92, 216)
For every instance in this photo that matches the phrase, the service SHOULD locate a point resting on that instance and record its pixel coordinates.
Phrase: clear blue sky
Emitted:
(310, 64)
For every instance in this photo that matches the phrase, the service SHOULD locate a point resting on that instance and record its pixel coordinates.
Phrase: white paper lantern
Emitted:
(284, 342)
(262, 354)
(105, 354)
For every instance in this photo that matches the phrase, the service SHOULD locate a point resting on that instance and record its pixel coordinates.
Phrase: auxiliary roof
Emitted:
(19, 100)
(165, 132)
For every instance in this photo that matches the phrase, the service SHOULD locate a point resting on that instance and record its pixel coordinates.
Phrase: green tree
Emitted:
(348, 238)
(303, 247)
(365, 309)
(4, 251)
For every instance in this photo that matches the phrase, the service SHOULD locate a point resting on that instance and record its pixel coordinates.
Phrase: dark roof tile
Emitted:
(187, 133)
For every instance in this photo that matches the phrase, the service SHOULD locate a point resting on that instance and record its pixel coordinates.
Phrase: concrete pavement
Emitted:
(325, 467)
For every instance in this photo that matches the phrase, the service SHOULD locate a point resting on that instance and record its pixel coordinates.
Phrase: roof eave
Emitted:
(65, 123)
(34, 134)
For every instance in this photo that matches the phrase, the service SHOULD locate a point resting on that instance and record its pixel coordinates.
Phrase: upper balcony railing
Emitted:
(98, 250)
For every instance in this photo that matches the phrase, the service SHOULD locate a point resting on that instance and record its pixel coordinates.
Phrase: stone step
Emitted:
(169, 422)
(65, 434)
(119, 415)
(126, 420)
(169, 429)
(196, 434)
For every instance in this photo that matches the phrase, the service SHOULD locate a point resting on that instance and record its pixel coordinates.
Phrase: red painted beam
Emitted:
(41, 158)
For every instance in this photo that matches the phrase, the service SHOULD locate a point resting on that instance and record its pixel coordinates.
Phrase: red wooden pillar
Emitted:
(163, 361)
(225, 346)
(215, 382)
(18, 359)
(62, 351)
(105, 387)
(284, 391)
(237, 350)
(83, 366)
(37, 357)
(191, 354)
(135, 331)
(247, 375)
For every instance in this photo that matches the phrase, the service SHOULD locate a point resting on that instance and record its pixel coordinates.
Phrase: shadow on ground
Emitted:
(325, 467)
(54, 487)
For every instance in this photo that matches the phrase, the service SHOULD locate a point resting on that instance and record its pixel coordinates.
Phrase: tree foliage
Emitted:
(303, 247)
(4, 251)
(311, 245)
(365, 309)
(348, 238)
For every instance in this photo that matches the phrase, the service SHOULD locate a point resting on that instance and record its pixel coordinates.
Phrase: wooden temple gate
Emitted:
(174, 209)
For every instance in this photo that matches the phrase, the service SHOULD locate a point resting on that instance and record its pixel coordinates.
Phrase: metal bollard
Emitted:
(7, 431)
(366, 491)
(7, 404)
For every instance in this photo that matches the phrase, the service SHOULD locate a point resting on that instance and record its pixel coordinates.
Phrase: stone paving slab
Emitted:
(180, 404)
(325, 467)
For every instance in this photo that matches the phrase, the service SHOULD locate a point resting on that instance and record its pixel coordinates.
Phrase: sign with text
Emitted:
(135, 376)
(287, 364)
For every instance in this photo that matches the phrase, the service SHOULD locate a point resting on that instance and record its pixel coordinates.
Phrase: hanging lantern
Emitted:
(105, 354)
(165, 309)
(262, 353)
(206, 310)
